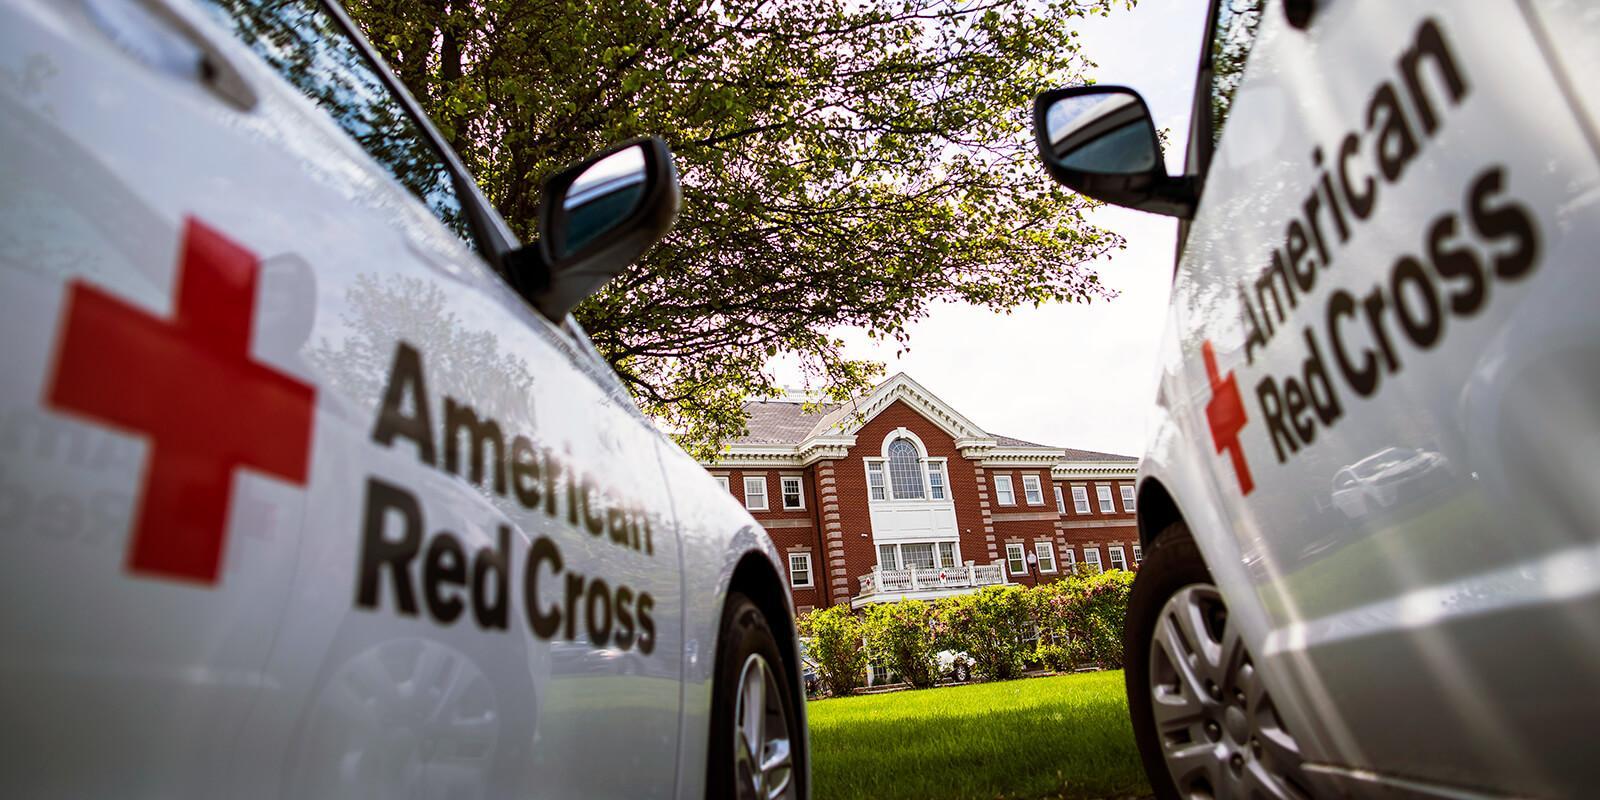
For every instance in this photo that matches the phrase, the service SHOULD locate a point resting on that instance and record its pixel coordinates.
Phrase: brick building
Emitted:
(899, 495)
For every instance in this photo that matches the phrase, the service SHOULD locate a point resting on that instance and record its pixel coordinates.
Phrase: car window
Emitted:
(1231, 40)
(307, 47)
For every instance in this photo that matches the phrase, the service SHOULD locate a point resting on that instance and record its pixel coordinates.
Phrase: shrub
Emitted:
(900, 636)
(835, 645)
(1083, 615)
(990, 626)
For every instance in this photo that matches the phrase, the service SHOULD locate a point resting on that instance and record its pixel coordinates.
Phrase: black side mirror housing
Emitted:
(596, 219)
(1100, 141)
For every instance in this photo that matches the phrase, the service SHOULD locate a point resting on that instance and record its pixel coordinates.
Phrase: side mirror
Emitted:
(597, 218)
(1100, 141)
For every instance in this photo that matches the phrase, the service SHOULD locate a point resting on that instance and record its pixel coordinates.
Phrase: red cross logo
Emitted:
(1225, 414)
(190, 386)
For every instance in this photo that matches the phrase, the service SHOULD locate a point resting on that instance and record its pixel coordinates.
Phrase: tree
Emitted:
(844, 163)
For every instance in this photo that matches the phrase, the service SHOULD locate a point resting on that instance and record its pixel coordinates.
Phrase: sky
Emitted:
(1074, 375)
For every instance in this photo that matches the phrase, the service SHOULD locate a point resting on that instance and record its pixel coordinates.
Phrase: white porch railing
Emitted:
(923, 579)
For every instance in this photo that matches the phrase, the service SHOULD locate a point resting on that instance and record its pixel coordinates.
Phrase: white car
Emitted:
(1368, 505)
(310, 484)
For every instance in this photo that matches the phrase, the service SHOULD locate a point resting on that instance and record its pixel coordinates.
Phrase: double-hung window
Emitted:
(1061, 505)
(1047, 556)
(936, 490)
(1016, 562)
(1032, 490)
(876, 488)
(793, 496)
(800, 570)
(1002, 491)
(722, 480)
(1104, 492)
(919, 556)
(1091, 557)
(1138, 554)
(1127, 498)
(755, 492)
(947, 554)
(1118, 561)
(1080, 500)
(1069, 559)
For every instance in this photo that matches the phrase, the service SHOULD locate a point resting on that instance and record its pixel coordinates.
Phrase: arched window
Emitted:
(905, 470)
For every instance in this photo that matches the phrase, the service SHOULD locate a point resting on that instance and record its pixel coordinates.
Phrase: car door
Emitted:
(445, 562)
(1391, 374)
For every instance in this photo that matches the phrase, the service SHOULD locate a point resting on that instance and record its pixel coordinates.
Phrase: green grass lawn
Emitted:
(1060, 737)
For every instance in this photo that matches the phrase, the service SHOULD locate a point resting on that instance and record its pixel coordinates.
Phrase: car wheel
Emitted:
(754, 724)
(1204, 721)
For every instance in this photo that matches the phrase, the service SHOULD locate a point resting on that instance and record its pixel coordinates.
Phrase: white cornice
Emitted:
(1094, 469)
(1022, 457)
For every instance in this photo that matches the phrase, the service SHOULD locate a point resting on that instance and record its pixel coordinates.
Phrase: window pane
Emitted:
(1117, 560)
(792, 497)
(1031, 489)
(1080, 499)
(886, 557)
(1015, 563)
(917, 555)
(1237, 22)
(905, 470)
(947, 554)
(1047, 556)
(875, 480)
(1127, 499)
(799, 569)
(755, 493)
(1061, 505)
(304, 45)
(1138, 553)
(1002, 491)
(1091, 556)
(936, 479)
(1104, 493)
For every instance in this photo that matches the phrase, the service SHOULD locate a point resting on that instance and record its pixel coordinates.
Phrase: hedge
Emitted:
(1072, 623)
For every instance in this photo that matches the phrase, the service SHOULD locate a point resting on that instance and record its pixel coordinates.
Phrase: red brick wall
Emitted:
(1116, 528)
(792, 530)
(1011, 528)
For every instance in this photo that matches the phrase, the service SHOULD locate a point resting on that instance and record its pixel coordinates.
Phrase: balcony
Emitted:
(925, 583)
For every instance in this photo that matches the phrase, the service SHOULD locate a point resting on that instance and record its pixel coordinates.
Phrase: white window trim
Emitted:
(1045, 550)
(1102, 493)
(1093, 562)
(1127, 498)
(1138, 554)
(1118, 554)
(1068, 558)
(811, 575)
(1080, 500)
(944, 474)
(1010, 490)
(784, 495)
(722, 480)
(762, 480)
(866, 466)
(1061, 502)
(1022, 555)
(1037, 490)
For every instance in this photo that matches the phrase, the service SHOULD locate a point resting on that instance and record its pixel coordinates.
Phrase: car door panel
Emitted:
(1405, 518)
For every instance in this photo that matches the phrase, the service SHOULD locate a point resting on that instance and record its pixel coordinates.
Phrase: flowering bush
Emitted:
(1080, 618)
(901, 637)
(835, 643)
(991, 625)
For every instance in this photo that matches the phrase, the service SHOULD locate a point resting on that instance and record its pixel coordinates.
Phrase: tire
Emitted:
(748, 655)
(1221, 736)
